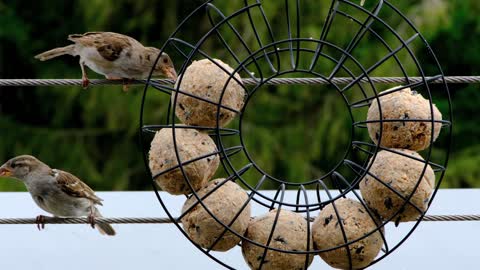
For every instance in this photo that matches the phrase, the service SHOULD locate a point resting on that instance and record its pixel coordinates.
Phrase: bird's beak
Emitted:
(5, 171)
(170, 73)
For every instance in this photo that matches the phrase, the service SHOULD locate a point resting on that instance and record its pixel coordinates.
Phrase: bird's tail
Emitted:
(103, 228)
(56, 52)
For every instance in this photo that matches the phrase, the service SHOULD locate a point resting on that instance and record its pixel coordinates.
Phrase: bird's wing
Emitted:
(74, 187)
(108, 44)
(73, 37)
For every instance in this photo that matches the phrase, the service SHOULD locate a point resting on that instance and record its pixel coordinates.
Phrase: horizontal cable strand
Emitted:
(274, 81)
(151, 220)
(56, 220)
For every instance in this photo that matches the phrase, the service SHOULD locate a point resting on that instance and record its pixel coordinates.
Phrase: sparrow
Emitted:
(55, 191)
(116, 56)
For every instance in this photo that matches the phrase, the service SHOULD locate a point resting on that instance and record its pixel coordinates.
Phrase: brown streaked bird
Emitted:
(57, 192)
(115, 56)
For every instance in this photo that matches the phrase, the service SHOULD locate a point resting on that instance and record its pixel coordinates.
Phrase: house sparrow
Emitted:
(114, 55)
(57, 192)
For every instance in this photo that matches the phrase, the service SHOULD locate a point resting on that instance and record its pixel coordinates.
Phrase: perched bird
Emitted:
(114, 55)
(57, 192)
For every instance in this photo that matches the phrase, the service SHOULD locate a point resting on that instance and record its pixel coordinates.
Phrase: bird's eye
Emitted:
(165, 60)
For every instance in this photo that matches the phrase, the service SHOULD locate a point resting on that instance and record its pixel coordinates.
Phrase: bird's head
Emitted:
(164, 66)
(20, 167)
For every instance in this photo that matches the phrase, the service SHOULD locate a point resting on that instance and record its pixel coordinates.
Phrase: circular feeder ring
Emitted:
(291, 53)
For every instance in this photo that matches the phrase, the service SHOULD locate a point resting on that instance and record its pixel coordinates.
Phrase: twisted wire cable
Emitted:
(275, 81)
(57, 220)
(153, 220)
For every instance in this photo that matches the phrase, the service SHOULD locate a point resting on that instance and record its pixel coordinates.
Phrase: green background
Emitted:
(297, 134)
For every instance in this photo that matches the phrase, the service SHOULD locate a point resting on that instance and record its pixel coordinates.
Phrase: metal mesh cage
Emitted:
(264, 57)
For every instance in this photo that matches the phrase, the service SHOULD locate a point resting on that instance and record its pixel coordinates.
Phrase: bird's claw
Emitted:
(126, 83)
(40, 221)
(91, 220)
(85, 83)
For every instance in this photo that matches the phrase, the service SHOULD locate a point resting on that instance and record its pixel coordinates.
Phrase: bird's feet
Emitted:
(91, 220)
(126, 83)
(40, 221)
(85, 82)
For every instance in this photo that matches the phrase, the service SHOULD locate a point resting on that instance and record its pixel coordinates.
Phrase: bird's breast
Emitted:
(53, 200)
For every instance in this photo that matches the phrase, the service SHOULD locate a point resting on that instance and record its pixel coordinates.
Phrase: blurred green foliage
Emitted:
(295, 131)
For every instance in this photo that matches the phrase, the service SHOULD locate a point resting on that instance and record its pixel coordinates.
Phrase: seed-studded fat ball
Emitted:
(400, 173)
(290, 234)
(191, 144)
(404, 104)
(224, 203)
(205, 79)
(356, 221)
